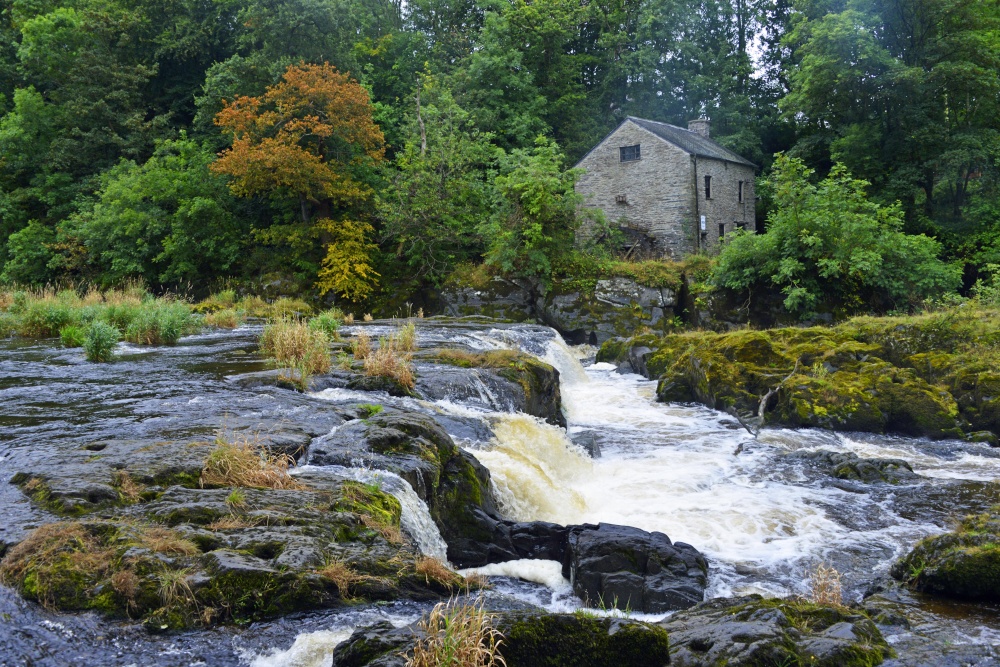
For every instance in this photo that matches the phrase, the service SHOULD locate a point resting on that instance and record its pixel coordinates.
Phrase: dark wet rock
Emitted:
(849, 466)
(378, 645)
(964, 563)
(589, 441)
(628, 568)
(752, 631)
(414, 446)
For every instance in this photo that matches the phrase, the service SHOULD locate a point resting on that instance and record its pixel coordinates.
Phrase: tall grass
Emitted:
(457, 634)
(294, 345)
(143, 318)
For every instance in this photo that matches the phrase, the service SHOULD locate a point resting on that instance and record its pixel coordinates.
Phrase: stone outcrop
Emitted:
(628, 568)
(530, 639)
(615, 306)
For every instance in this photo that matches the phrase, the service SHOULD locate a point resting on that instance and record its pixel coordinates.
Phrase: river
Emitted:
(764, 518)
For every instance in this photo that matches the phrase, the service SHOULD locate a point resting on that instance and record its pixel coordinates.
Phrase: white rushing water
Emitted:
(673, 468)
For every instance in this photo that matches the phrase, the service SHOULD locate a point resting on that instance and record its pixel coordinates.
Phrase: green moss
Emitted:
(868, 374)
(575, 640)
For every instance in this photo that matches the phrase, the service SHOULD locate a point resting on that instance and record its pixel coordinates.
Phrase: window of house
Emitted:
(741, 192)
(708, 187)
(629, 153)
(741, 225)
(722, 229)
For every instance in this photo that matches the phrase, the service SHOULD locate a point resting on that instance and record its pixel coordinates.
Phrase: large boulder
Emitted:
(628, 568)
(964, 563)
(753, 631)
(850, 466)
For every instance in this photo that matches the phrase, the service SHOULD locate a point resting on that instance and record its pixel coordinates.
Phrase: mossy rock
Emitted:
(581, 640)
(964, 563)
(929, 375)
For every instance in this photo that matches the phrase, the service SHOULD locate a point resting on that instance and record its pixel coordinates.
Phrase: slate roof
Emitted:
(690, 142)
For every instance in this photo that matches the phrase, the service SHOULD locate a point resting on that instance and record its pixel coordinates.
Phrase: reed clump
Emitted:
(245, 462)
(825, 586)
(457, 634)
(432, 569)
(49, 564)
(138, 315)
(294, 345)
(393, 357)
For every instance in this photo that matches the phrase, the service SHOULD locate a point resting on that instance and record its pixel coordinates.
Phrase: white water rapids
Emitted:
(675, 468)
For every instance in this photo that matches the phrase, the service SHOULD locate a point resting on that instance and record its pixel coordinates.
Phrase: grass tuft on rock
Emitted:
(457, 633)
(245, 462)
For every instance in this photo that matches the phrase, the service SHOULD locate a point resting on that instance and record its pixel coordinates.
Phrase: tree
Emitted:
(828, 247)
(440, 190)
(310, 139)
(536, 211)
(169, 220)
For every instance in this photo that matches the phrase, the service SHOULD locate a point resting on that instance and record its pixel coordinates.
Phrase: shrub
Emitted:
(457, 635)
(405, 338)
(432, 569)
(827, 244)
(72, 336)
(224, 300)
(244, 462)
(328, 322)
(100, 342)
(361, 346)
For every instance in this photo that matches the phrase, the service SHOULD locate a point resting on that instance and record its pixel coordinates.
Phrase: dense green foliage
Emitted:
(186, 143)
(828, 246)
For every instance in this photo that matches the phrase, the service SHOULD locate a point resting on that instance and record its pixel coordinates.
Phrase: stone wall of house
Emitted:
(656, 188)
(655, 195)
(724, 209)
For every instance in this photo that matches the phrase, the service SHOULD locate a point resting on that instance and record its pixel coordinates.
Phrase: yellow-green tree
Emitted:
(308, 139)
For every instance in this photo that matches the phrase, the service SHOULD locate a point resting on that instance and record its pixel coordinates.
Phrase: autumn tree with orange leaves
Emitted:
(306, 139)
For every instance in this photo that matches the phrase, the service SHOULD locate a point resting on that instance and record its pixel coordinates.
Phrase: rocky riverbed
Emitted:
(488, 463)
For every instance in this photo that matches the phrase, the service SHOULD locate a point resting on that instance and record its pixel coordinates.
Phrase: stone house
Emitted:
(672, 191)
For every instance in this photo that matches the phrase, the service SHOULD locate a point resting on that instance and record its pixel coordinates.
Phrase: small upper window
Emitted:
(722, 229)
(741, 192)
(629, 153)
(708, 187)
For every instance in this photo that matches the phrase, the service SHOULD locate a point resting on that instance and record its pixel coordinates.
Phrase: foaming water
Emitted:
(311, 649)
(535, 470)
(681, 470)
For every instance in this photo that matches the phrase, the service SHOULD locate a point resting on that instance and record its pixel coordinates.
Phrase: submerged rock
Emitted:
(752, 631)
(964, 563)
(850, 466)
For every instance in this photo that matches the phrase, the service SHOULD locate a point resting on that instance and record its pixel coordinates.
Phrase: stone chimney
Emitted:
(700, 126)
